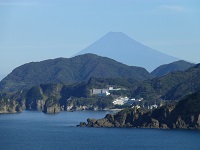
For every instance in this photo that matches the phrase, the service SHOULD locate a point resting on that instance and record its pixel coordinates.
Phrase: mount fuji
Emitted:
(122, 48)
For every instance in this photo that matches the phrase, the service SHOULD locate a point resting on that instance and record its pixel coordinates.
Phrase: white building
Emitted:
(120, 101)
(100, 92)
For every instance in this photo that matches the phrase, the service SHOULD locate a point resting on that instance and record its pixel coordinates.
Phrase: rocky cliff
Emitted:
(8, 105)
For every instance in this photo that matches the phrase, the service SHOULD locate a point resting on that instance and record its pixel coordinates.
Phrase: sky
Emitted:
(35, 30)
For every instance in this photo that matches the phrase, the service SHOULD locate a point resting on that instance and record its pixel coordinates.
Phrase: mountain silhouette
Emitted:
(122, 48)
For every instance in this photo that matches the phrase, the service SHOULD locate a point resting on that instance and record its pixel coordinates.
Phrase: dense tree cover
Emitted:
(189, 105)
(180, 65)
(171, 86)
(69, 70)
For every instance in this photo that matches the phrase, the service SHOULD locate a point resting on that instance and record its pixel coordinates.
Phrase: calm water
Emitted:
(37, 131)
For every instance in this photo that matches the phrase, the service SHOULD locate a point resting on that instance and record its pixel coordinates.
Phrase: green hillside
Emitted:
(171, 86)
(69, 70)
(180, 65)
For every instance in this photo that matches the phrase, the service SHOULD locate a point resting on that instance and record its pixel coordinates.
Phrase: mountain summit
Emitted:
(122, 48)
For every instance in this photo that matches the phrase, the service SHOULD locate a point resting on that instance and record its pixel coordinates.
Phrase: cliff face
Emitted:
(52, 109)
(7, 106)
(52, 98)
(44, 98)
(184, 115)
(11, 103)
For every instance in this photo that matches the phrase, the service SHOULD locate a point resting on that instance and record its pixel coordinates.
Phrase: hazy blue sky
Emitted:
(34, 30)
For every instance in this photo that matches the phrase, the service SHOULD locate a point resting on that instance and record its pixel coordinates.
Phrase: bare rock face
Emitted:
(104, 123)
(120, 119)
(40, 104)
(110, 118)
(164, 126)
(187, 122)
(154, 123)
(52, 109)
(91, 122)
(98, 123)
(180, 123)
(198, 121)
(143, 120)
(82, 124)
(9, 107)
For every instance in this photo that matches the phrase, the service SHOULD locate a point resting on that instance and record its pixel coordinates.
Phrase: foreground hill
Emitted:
(52, 98)
(174, 86)
(180, 65)
(120, 47)
(69, 70)
(186, 114)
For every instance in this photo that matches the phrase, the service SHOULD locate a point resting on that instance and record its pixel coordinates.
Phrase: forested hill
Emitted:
(69, 70)
(180, 65)
(50, 97)
(171, 86)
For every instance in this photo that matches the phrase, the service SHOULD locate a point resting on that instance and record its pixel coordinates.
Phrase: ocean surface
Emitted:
(38, 131)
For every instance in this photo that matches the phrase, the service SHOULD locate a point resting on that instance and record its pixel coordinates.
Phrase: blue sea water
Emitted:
(38, 131)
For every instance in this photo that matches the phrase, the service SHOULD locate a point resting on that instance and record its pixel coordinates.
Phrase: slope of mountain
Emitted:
(171, 86)
(180, 65)
(122, 48)
(69, 70)
(2, 76)
(52, 98)
(189, 84)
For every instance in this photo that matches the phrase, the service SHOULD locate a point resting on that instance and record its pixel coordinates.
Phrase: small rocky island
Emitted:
(184, 115)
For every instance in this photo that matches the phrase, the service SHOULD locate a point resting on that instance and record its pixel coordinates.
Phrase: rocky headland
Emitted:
(184, 115)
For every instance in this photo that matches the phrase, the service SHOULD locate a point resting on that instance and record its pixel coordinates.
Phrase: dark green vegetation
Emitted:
(173, 86)
(52, 98)
(66, 84)
(185, 114)
(180, 65)
(69, 70)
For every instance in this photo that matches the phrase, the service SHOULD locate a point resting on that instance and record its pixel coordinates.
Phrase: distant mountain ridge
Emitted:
(120, 47)
(180, 65)
(69, 70)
